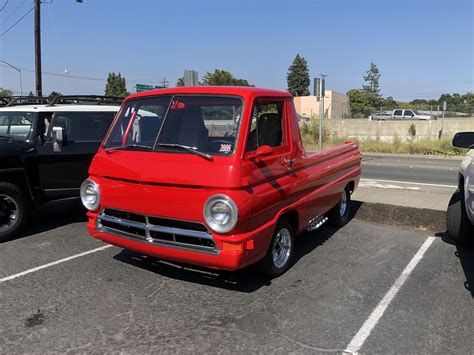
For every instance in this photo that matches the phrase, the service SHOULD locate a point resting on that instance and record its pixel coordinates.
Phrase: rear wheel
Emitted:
(339, 215)
(457, 222)
(13, 209)
(280, 252)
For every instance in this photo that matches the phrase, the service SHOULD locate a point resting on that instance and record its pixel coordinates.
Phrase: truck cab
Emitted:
(45, 151)
(214, 176)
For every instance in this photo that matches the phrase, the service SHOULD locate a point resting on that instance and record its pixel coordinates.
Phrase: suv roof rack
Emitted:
(86, 100)
(27, 100)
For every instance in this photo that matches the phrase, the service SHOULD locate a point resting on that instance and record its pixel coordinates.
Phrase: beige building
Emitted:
(336, 105)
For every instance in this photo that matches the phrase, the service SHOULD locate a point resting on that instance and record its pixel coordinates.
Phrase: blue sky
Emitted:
(422, 47)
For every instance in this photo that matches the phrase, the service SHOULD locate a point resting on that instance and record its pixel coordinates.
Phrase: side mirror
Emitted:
(464, 140)
(262, 151)
(58, 138)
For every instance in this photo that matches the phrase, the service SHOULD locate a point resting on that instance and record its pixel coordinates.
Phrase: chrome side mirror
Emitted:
(58, 138)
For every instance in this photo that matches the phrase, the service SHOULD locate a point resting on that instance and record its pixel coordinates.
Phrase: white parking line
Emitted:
(406, 182)
(26, 272)
(359, 339)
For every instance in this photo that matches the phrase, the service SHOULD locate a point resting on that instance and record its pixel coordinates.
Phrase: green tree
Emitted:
(116, 85)
(180, 82)
(222, 78)
(298, 77)
(389, 103)
(5, 92)
(372, 88)
(360, 103)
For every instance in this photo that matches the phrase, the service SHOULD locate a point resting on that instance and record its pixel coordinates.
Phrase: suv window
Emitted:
(16, 124)
(397, 112)
(266, 127)
(409, 113)
(82, 126)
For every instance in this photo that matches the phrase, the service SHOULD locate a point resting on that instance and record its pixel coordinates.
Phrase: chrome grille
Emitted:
(157, 230)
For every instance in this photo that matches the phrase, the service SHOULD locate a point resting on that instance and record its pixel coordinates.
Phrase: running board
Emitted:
(316, 222)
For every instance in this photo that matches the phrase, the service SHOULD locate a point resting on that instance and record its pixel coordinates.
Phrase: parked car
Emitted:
(410, 115)
(460, 215)
(45, 151)
(380, 116)
(162, 185)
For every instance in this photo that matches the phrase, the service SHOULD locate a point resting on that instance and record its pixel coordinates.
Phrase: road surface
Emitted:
(364, 288)
(419, 169)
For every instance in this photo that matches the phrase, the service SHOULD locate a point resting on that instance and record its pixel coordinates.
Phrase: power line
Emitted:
(18, 21)
(4, 5)
(13, 12)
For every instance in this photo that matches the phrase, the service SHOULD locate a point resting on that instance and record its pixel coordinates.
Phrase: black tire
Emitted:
(11, 199)
(268, 266)
(338, 216)
(457, 222)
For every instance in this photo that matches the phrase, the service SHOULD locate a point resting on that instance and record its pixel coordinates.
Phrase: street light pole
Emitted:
(19, 72)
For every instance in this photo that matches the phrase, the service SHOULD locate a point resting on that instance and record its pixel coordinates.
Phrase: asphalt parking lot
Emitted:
(333, 298)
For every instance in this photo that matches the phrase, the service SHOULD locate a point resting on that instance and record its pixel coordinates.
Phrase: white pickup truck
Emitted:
(400, 114)
(460, 216)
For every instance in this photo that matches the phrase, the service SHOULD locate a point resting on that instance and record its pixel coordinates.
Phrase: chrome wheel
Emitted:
(8, 212)
(343, 204)
(281, 248)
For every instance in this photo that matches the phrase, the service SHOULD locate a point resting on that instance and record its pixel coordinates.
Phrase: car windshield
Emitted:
(417, 112)
(16, 124)
(206, 124)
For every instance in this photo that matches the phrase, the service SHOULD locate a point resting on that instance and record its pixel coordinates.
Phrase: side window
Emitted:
(409, 113)
(397, 112)
(82, 126)
(266, 127)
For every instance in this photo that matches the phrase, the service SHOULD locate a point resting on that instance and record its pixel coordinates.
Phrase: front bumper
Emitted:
(213, 251)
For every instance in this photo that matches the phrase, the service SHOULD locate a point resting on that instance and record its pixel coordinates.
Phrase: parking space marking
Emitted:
(374, 181)
(359, 339)
(29, 271)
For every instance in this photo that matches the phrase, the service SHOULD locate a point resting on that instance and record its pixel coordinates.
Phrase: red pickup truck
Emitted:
(216, 177)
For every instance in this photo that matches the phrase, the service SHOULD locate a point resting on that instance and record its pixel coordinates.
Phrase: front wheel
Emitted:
(457, 222)
(13, 209)
(339, 215)
(280, 252)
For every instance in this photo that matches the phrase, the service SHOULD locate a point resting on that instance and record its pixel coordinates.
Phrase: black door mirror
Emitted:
(464, 140)
(58, 139)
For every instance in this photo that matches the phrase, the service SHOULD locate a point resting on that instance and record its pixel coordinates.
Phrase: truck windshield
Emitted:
(16, 124)
(206, 124)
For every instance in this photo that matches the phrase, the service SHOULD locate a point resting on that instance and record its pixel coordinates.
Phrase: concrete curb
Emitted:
(438, 157)
(421, 219)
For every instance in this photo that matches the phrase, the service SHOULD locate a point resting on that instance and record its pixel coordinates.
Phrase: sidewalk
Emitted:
(406, 195)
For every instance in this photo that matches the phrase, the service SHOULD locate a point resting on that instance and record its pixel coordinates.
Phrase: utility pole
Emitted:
(38, 80)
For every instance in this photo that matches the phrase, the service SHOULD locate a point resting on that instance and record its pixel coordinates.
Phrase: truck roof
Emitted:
(60, 108)
(244, 91)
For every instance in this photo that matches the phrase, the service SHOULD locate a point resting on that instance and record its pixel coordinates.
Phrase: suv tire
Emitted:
(457, 222)
(13, 210)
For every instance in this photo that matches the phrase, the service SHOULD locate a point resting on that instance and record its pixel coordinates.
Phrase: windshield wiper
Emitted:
(192, 150)
(129, 146)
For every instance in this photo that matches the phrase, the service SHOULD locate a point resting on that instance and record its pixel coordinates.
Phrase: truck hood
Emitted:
(167, 169)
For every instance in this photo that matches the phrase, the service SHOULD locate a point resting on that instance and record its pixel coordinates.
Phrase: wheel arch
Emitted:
(292, 217)
(19, 178)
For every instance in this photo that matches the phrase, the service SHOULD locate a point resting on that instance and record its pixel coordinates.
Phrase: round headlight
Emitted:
(90, 195)
(220, 213)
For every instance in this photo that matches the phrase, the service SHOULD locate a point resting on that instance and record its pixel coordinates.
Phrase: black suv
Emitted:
(45, 151)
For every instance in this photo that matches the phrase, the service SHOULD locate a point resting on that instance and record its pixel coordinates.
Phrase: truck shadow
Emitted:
(466, 258)
(53, 215)
(247, 280)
